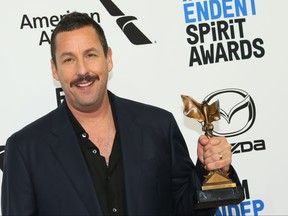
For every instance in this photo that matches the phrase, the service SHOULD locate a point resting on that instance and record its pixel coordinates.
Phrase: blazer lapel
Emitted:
(131, 147)
(69, 155)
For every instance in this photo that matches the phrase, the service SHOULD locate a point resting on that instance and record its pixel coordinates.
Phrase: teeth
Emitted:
(84, 84)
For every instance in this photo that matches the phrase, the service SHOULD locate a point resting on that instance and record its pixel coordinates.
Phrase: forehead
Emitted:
(77, 40)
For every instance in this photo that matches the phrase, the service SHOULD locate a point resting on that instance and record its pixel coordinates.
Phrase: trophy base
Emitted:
(219, 197)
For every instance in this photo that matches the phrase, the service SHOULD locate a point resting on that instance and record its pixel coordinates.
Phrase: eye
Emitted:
(91, 55)
(68, 60)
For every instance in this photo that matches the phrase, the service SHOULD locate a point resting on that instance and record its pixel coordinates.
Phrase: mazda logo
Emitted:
(237, 109)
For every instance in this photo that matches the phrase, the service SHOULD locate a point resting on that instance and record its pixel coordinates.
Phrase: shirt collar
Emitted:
(77, 126)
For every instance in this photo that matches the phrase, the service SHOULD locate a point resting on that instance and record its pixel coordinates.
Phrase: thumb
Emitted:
(200, 153)
(202, 141)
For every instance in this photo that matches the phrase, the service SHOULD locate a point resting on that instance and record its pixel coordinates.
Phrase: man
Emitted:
(97, 153)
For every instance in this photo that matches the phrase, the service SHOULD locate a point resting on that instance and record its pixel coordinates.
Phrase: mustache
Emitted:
(87, 78)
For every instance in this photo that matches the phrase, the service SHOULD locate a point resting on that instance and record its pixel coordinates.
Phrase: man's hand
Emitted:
(214, 153)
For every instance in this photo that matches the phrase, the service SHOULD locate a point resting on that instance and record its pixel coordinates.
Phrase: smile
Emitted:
(84, 81)
(85, 84)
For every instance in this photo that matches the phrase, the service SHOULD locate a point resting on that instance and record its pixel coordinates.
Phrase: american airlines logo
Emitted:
(46, 24)
(126, 24)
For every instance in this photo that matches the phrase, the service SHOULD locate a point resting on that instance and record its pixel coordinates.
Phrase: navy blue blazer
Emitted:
(45, 172)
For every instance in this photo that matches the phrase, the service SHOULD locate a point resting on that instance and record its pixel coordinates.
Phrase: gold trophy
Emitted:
(218, 189)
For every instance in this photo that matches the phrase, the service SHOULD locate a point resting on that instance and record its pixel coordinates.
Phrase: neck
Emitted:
(96, 115)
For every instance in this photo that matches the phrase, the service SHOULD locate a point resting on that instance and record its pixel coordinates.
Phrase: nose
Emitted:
(81, 67)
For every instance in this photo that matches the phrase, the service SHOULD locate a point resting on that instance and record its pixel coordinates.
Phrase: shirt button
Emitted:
(84, 135)
(94, 151)
(114, 210)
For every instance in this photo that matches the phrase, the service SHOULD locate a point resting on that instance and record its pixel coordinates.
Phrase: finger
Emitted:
(221, 160)
(216, 145)
(217, 140)
(223, 163)
(216, 157)
(218, 152)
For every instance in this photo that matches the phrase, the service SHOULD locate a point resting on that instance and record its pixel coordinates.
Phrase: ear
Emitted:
(54, 70)
(109, 59)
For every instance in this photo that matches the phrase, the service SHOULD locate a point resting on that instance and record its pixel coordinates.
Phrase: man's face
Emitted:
(82, 68)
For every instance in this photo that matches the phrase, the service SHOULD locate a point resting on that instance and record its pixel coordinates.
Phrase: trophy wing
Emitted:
(214, 111)
(192, 108)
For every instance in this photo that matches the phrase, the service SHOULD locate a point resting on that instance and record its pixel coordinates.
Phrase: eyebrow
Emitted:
(90, 50)
(66, 54)
(85, 52)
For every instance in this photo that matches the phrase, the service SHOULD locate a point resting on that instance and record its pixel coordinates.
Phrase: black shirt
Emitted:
(108, 180)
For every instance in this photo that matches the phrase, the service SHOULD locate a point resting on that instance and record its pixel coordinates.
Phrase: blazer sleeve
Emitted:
(186, 177)
(17, 192)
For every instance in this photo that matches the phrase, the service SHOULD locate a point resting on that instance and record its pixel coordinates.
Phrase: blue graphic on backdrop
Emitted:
(247, 207)
(216, 31)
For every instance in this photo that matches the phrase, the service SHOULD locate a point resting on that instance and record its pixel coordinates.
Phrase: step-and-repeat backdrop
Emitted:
(234, 51)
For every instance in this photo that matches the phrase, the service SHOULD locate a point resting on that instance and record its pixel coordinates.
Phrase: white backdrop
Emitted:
(159, 72)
